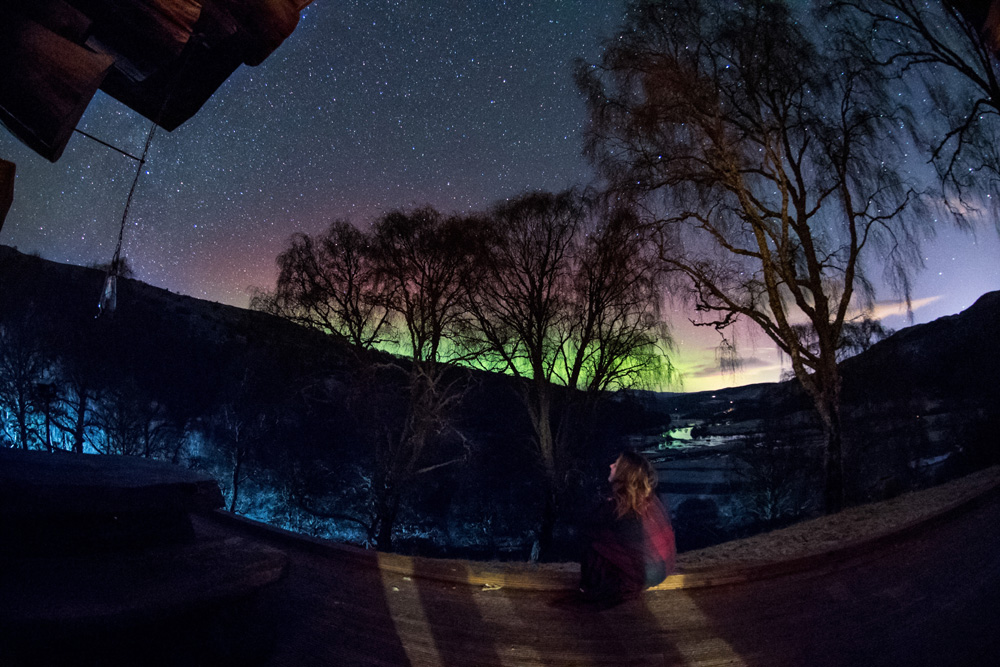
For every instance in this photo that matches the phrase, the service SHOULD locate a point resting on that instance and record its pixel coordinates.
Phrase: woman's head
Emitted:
(633, 480)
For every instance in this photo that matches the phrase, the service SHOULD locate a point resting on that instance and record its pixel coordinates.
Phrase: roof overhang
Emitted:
(162, 58)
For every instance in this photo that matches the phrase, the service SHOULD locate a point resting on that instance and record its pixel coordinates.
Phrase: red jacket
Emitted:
(641, 546)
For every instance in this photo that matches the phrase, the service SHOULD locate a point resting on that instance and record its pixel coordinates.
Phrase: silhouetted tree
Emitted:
(81, 375)
(241, 428)
(48, 402)
(132, 422)
(330, 283)
(551, 304)
(423, 261)
(23, 365)
(619, 336)
(762, 155)
(398, 287)
(79, 401)
(772, 479)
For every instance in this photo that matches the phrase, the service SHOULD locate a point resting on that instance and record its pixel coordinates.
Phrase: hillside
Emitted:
(951, 357)
(289, 420)
(72, 292)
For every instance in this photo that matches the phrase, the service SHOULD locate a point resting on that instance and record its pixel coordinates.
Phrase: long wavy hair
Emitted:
(633, 485)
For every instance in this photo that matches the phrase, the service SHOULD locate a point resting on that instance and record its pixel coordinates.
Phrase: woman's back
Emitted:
(630, 544)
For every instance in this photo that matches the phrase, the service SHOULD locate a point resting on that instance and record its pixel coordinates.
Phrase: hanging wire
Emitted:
(109, 295)
(104, 143)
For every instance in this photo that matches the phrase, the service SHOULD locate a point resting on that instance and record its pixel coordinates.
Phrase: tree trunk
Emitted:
(824, 389)
(827, 403)
(541, 419)
(833, 496)
(22, 427)
(48, 431)
(81, 423)
(237, 471)
(550, 512)
(385, 520)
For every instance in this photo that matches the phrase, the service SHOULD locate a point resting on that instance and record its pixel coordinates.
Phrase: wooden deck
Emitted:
(101, 564)
(927, 595)
(931, 596)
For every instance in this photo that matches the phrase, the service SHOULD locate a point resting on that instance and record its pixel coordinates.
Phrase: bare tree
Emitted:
(48, 402)
(79, 398)
(760, 154)
(23, 365)
(245, 425)
(397, 288)
(945, 55)
(132, 422)
(772, 479)
(553, 305)
(82, 373)
(241, 429)
(618, 336)
(330, 283)
(423, 261)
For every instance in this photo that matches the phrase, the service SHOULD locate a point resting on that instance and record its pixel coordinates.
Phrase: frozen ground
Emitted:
(851, 525)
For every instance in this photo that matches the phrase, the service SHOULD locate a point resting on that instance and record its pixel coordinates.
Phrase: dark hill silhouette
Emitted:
(952, 356)
(72, 292)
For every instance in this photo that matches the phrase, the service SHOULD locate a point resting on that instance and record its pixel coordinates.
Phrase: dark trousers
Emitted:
(600, 579)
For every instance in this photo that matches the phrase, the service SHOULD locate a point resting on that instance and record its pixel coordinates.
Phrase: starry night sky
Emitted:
(367, 107)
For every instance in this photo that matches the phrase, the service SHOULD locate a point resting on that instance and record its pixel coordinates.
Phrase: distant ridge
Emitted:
(956, 355)
(73, 291)
(953, 355)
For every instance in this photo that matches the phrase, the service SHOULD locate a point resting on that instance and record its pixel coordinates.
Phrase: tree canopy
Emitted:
(765, 156)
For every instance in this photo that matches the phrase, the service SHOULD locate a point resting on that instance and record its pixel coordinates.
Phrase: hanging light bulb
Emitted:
(109, 295)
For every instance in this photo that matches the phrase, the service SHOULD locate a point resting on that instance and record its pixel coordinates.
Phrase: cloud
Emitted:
(882, 309)
(747, 364)
(703, 371)
(885, 309)
(756, 362)
(973, 207)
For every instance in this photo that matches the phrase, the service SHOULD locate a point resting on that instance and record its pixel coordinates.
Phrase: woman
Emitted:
(630, 545)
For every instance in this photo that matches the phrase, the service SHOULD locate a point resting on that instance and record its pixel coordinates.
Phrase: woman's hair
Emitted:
(634, 482)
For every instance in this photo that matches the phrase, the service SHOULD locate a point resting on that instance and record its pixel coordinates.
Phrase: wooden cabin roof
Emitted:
(162, 58)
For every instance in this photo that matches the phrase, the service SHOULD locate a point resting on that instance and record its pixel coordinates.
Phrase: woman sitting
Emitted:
(630, 545)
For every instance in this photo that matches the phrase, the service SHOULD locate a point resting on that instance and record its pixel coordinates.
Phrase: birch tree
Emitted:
(764, 155)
